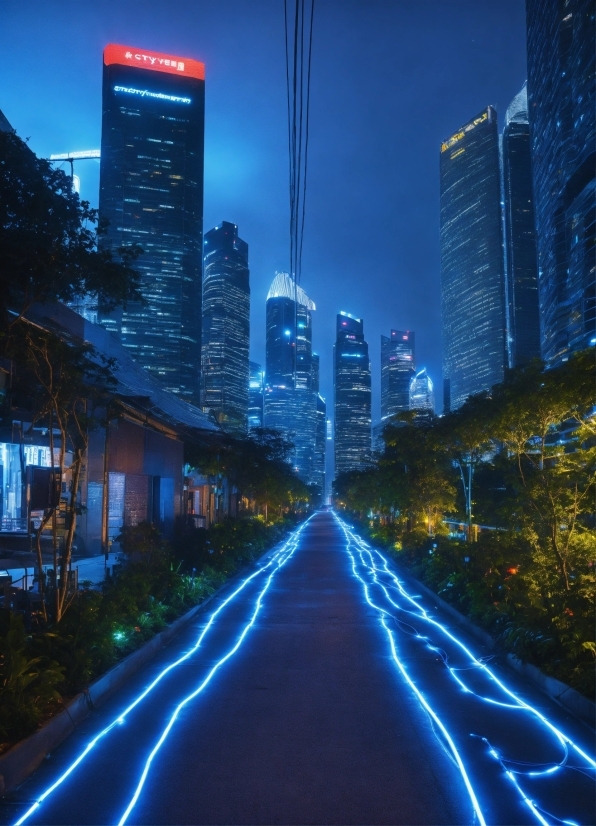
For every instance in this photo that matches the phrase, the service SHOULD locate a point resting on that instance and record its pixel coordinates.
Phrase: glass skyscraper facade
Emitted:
(318, 475)
(521, 257)
(151, 193)
(256, 385)
(290, 401)
(472, 272)
(288, 306)
(397, 369)
(422, 393)
(352, 388)
(226, 328)
(562, 113)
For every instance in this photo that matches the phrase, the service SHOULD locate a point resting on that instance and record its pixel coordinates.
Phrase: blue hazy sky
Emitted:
(390, 80)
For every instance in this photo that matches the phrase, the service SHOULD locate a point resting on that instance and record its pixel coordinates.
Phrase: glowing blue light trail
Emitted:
(368, 556)
(278, 558)
(452, 747)
(202, 686)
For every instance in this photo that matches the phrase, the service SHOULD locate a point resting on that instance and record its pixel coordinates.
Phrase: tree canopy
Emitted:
(49, 240)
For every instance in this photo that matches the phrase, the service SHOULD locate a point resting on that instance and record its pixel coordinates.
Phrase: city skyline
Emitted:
(246, 142)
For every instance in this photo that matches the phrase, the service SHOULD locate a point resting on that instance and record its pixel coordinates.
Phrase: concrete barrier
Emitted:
(566, 696)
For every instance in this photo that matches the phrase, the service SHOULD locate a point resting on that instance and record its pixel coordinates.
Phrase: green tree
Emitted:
(48, 241)
(68, 387)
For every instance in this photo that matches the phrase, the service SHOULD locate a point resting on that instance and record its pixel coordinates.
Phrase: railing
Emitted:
(13, 525)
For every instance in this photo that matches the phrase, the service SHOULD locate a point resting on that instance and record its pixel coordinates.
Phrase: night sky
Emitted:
(390, 80)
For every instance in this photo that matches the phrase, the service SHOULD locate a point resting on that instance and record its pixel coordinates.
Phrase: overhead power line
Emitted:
(298, 24)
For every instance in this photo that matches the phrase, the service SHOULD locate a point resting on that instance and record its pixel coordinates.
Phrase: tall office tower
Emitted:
(290, 401)
(151, 192)
(472, 275)
(351, 367)
(422, 394)
(318, 475)
(226, 327)
(562, 112)
(521, 258)
(288, 306)
(316, 372)
(255, 395)
(397, 368)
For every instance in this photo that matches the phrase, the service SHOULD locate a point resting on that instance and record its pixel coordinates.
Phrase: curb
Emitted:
(26, 756)
(567, 697)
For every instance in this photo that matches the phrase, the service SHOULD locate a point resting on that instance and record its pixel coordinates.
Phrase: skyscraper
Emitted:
(318, 475)
(287, 307)
(422, 394)
(562, 113)
(397, 368)
(472, 276)
(290, 401)
(255, 395)
(351, 367)
(520, 235)
(151, 193)
(226, 327)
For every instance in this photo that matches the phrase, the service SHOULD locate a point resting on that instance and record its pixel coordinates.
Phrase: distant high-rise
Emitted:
(397, 368)
(318, 475)
(352, 387)
(151, 194)
(255, 396)
(520, 235)
(422, 394)
(472, 275)
(562, 114)
(290, 400)
(288, 334)
(316, 372)
(226, 327)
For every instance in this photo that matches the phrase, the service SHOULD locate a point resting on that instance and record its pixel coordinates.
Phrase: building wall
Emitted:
(562, 113)
(145, 481)
(472, 273)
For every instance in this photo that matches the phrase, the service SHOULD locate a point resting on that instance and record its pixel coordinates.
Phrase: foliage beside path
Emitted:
(493, 507)
(157, 583)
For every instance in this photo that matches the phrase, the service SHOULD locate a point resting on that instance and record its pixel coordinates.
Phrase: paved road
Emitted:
(318, 715)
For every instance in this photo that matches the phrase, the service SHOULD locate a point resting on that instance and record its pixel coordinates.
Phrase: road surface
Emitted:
(322, 691)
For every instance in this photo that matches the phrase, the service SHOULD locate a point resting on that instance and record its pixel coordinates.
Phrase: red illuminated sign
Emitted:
(144, 59)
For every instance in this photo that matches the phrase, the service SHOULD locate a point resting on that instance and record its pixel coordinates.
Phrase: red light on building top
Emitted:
(157, 62)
